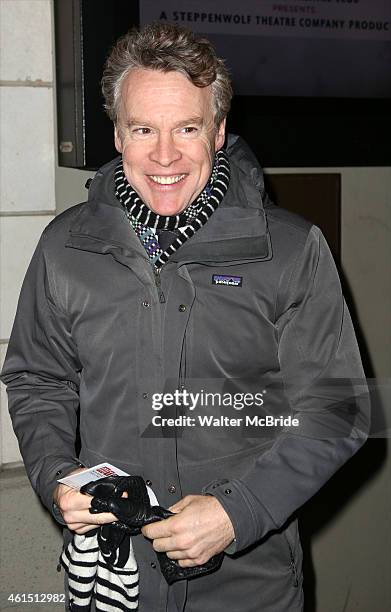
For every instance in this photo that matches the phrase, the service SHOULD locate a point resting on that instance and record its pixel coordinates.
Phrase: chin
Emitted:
(168, 210)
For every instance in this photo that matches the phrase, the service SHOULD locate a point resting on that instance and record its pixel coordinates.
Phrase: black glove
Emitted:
(114, 544)
(134, 512)
(173, 572)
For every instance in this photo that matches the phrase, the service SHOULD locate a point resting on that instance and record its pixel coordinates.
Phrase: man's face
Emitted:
(167, 138)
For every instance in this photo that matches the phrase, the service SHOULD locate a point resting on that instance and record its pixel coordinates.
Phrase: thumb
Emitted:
(182, 504)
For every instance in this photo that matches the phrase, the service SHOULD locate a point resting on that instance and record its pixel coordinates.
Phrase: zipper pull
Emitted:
(158, 283)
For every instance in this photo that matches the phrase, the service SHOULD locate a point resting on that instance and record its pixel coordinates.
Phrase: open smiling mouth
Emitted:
(166, 180)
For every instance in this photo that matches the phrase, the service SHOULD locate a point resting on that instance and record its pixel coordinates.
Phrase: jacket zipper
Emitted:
(158, 283)
(293, 567)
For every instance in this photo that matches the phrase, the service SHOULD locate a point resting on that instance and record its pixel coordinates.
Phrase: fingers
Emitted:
(166, 527)
(81, 522)
(73, 500)
(159, 529)
(199, 529)
(182, 503)
(170, 526)
(85, 517)
(75, 509)
(191, 562)
(165, 545)
(81, 528)
(177, 555)
(182, 548)
(188, 558)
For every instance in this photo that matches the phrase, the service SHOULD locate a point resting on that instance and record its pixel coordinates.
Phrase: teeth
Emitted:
(167, 180)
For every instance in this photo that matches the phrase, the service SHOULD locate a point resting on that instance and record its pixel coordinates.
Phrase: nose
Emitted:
(165, 151)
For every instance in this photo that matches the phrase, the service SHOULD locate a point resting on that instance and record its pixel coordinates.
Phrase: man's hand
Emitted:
(74, 507)
(200, 529)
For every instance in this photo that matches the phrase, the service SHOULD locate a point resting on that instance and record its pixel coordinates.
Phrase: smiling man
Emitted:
(167, 136)
(179, 270)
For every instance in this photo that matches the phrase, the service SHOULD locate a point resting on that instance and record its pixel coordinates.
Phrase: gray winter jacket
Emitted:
(92, 329)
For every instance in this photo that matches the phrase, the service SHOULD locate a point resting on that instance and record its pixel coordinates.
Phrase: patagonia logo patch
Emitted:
(226, 279)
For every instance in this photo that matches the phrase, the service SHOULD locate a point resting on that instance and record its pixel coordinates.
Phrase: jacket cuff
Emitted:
(57, 470)
(249, 519)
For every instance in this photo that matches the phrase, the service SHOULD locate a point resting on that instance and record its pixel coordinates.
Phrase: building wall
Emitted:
(27, 180)
(27, 204)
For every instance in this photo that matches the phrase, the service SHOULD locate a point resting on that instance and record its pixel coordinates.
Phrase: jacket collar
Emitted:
(237, 231)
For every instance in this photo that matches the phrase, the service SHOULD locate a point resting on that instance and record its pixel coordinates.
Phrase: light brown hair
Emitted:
(166, 47)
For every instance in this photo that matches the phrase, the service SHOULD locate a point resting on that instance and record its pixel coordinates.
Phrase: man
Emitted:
(174, 277)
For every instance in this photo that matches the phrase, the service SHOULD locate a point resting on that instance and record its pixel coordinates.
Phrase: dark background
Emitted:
(283, 132)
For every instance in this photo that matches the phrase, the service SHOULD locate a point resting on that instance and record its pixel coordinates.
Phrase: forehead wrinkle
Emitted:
(142, 122)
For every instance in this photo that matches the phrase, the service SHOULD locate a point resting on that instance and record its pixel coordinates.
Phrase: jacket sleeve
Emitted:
(325, 388)
(41, 374)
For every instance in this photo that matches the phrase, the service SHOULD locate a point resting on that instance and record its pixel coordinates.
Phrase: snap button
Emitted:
(59, 472)
(172, 488)
(149, 483)
(228, 491)
(145, 395)
(182, 308)
(153, 564)
(146, 304)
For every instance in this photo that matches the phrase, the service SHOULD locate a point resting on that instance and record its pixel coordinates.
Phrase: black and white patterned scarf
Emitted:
(93, 573)
(146, 223)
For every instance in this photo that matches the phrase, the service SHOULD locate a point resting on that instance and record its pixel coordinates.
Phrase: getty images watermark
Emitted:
(203, 399)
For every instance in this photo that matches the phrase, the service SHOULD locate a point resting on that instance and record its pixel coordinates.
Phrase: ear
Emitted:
(117, 140)
(220, 135)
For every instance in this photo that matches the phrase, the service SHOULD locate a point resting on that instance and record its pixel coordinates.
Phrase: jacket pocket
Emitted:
(292, 542)
(293, 567)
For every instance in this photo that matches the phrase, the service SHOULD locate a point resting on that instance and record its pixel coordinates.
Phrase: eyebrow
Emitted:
(137, 121)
